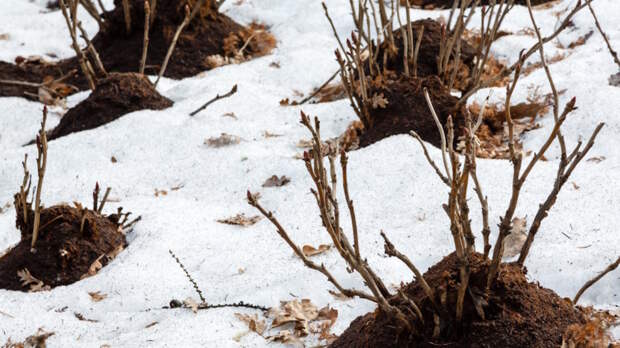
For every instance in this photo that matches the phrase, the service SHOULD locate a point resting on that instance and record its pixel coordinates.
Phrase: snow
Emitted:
(393, 187)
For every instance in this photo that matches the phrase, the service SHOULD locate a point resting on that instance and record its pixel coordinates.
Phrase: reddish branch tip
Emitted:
(571, 103)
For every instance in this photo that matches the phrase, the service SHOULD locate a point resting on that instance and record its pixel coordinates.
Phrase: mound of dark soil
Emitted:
(517, 313)
(429, 51)
(209, 34)
(63, 255)
(23, 78)
(407, 110)
(115, 96)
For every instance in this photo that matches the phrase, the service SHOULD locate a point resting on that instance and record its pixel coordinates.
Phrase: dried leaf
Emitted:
(240, 220)
(223, 140)
(515, 240)
(284, 102)
(299, 313)
(80, 317)
(253, 323)
(268, 134)
(275, 181)
(97, 296)
(94, 268)
(28, 279)
(597, 159)
(379, 101)
(190, 303)
(309, 250)
(287, 337)
(37, 340)
(4, 36)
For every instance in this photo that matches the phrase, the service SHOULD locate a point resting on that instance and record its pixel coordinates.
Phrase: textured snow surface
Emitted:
(393, 187)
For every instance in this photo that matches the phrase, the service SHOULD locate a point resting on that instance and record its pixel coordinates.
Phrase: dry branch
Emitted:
(232, 91)
(174, 42)
(145, 42)
(613, 53)
(41, 143)
(591, 282)
(71, 22)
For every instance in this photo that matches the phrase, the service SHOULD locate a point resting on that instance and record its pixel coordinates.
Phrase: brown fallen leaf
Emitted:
(379, 101)
(240, 220)
(4, 36)
(253, 323)
(223, 140)
(275, 181)
(37, 340)
(268, 134)
(28, 279)
(299, 313)
(80, 317)
(309, 250)
(597, 159)
(94, 268)
(515, 240)
(287, 337)
(190, 303)
(97, 296)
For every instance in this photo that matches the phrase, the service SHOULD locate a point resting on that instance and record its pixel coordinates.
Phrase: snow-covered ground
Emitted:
(393, 187)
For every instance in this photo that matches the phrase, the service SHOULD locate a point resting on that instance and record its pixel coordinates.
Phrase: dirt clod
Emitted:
(407, 110)
(62, 254)
(115, 96)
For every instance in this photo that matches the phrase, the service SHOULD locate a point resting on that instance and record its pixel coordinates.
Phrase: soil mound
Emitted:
(115, 96)
(31, 77)
(63, 254)
(429, 51)
(209, 34)
(407, 110)
(211, 39)
(517, 313)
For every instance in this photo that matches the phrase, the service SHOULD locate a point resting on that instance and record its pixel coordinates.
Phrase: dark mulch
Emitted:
(429, 50)
(407, 110)
(38, 71)
(208, 34)
(115, 96)
(63, 255)
(518, 314)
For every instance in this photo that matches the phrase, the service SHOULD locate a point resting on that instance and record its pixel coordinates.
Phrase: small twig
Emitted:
(591, 282)
(390, 250)
(232, 91)
(41, 143)
(174, 43)
(71, 26)
(189, 277)
(203, 306)
(127, 14)
(613, 53)
(318, 90)
(104, 200)
(441, 133)
(91, 49)
(145, 42)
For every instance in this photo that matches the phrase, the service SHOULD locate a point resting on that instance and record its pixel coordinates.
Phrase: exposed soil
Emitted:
(63, 255)
(36, 71)
(429, 52)
(407, 110)
(115, 96)
(209, 35)
(518, 313)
